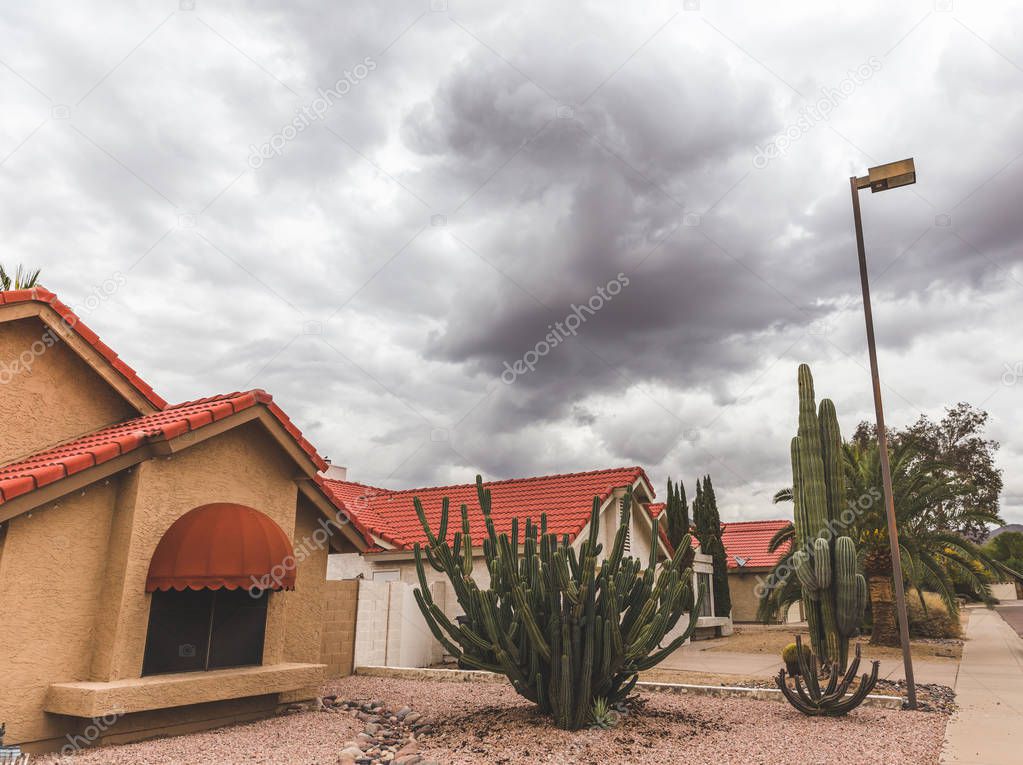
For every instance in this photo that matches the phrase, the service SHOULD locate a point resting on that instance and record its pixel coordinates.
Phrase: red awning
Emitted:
(222, 546)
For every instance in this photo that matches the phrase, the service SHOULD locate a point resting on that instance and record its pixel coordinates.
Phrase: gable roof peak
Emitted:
(71, 322)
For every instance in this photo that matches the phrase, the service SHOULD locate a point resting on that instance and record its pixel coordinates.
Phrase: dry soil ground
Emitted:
(489, 723)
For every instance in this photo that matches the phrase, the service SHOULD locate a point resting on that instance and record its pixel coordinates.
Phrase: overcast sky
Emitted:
(370, 212)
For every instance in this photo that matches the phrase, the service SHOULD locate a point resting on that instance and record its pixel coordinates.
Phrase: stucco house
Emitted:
(750, 563)
(390, 629)
(162, 568)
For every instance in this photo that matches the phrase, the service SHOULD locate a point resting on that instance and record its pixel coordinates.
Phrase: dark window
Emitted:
(196, 630)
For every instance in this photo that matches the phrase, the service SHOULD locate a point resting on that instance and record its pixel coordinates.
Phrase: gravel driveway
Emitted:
(486, 723)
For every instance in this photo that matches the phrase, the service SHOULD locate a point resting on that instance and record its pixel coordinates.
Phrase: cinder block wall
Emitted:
(339, 619)
(371, 624)
(391, 630)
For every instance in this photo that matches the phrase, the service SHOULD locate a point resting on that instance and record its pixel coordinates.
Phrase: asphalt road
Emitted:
(1013, 616)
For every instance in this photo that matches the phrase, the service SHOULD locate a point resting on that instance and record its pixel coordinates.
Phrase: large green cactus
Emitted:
(834, 595)
(566, 626)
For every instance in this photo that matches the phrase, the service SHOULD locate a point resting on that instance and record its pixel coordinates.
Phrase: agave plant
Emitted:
(830, 701)
(603, 715)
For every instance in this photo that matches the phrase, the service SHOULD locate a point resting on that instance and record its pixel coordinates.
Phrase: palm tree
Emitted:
(23, 279)
(932, 555)
(782, 591)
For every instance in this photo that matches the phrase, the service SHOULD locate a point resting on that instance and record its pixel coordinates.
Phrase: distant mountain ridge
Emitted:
(1018, 527)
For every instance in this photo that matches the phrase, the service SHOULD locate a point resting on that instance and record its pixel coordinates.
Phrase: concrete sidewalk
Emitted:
(693, 658)
(988, 728)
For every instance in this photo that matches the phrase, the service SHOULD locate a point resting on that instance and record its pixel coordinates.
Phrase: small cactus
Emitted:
(831, 701)
(790, 655)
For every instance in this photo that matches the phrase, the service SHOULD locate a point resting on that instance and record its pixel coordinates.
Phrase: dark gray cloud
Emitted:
(493, 168)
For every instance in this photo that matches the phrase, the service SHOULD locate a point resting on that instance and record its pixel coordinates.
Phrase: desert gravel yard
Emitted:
(489, 723)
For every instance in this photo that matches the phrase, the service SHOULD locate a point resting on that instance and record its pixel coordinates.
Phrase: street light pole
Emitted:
(882, 436)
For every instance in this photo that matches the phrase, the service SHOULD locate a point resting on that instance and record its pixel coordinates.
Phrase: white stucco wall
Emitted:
(1004, 591)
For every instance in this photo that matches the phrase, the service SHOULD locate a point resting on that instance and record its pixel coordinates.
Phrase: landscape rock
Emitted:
(352, 752)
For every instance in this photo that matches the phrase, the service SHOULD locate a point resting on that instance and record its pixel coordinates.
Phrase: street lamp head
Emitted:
(892, 175)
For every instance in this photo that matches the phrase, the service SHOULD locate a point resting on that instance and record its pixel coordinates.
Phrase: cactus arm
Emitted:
(822, 563)
(658, 656)
(804, 694)
(422, 520)
(442, 532)
(624, 690)
(867, 683)
(529, 622)
(861, 597)
(804, 568)
(795, 700)
(831, 452)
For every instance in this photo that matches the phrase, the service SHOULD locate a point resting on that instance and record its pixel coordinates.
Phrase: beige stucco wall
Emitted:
(243, 465)
(742, 587)
(72, 581)
(50, 580)
(58, 398)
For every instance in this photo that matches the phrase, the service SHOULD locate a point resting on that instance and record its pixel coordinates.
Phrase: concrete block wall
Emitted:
(391, 630)
(371, 623)
(339, 627)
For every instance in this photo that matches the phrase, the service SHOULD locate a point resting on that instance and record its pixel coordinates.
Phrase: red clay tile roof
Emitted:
(103, 445)
(43, 295)
(567, 499)
(748, 540)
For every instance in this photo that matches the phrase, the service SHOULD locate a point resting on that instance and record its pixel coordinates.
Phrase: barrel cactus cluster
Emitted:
(567, 627)
(834, 594)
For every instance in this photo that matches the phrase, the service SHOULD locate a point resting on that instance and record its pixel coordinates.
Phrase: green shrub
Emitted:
(932, 619)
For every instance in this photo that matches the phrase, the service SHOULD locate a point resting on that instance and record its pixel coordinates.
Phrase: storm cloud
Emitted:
(372, 211)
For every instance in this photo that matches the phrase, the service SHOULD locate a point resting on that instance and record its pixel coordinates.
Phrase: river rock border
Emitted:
(388, 736)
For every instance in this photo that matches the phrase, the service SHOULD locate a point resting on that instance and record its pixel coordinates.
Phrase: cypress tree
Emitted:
(708, 531)
(676, 513)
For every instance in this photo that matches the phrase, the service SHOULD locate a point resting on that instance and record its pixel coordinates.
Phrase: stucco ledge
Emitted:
(118, 697)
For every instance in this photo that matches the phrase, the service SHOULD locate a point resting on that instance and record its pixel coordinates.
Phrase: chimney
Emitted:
(335, 472)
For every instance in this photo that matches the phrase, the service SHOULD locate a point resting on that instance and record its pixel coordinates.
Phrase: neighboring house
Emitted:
(394, 527)
(750, 564)
(131, 534)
